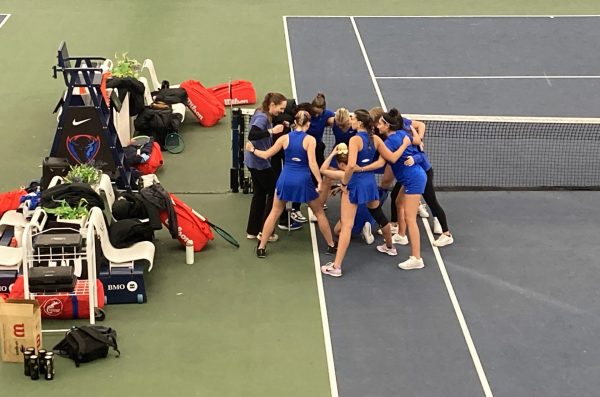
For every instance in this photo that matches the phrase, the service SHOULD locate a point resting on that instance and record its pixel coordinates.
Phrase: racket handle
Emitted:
(198, 215)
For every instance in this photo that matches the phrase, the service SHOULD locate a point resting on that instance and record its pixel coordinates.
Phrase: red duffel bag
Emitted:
(190, 226)
(63, 305)
(239, 92)
(207, 108)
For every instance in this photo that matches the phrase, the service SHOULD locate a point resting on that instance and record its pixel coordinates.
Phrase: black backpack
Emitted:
(87, 343)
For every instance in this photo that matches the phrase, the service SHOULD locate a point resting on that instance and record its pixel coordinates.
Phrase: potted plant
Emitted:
(126, 67)
(67, 214)
(84, 173)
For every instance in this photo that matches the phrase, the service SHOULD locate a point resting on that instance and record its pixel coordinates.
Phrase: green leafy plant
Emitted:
(126, 67)
(65, 211)
(83, 173)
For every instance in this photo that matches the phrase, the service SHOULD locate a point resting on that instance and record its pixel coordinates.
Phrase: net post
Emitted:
(236, 116)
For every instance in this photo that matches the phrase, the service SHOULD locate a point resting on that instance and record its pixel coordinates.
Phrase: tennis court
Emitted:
(507, 309)
(522, 267)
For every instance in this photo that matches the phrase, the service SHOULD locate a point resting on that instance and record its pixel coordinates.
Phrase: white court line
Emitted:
(5, 19)
(545, 77)
(364, 52)
(443, 16)
(459, 315)
(315, 248)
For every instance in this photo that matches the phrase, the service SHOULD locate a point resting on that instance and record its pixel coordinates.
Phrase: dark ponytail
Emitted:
(364, 117)
(393, 119)
(319, 101)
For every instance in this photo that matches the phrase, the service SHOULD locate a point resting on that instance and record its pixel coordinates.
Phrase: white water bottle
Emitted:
(189, 252)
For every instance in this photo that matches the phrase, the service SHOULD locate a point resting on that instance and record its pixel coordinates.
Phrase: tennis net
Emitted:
(494, 153)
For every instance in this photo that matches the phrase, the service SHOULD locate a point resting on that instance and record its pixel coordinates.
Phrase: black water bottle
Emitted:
(42, 361)
(26, 357)
(49, 364)
(34, 368)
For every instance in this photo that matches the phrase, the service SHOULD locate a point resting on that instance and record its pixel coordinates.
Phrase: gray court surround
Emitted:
(522, 266)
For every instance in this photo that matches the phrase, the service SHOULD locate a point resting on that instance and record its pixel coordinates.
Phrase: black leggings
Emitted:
(430, 198)
(263, 182)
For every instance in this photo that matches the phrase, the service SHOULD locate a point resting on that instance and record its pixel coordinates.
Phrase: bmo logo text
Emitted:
(131, 286)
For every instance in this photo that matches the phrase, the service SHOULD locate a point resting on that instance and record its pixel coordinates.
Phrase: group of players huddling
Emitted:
(367, 142)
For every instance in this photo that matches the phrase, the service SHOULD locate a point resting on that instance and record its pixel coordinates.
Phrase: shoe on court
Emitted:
(272, 238)
(443, 240)
(437, 227)
(384, 249)
(366, 233)
(311, 216)
(398, 239)
(423, 211)
(252, 236)
(293, 226)
(331, 270)
(412, 263)
(298, 217)
(261, 252)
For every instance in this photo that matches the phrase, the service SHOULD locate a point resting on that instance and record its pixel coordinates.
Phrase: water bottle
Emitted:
(189, 252)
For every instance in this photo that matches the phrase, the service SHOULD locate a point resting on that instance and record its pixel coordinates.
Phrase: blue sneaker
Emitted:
(293, 226)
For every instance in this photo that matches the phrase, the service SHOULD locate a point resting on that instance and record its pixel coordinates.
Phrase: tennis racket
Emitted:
(230, 239)
(174, 143)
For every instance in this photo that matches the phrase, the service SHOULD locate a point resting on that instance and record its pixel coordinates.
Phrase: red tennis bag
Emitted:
(154, 162)
(63, 305)
(207, 108)
(239, 92)
(189, 226)
(10, 200)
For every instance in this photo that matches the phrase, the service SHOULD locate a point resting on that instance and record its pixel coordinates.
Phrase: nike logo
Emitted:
(75, 122)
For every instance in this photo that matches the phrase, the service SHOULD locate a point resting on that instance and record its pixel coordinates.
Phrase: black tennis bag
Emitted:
(87, 343)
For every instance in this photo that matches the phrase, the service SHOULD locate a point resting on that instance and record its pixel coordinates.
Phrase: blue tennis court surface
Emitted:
(509, 66)
(522, 264)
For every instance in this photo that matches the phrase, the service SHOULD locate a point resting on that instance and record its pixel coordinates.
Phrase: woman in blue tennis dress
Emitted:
(295, 183)
(413, 180)
(361, 188)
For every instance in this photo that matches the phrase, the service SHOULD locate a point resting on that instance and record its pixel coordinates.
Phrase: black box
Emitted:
(55, 279)
(51, 167)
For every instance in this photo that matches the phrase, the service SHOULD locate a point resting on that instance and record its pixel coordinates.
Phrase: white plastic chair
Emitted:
(178, 108)
(119, 257)
(105, 186)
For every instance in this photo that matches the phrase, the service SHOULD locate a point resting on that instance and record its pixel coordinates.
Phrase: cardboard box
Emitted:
(20, 328)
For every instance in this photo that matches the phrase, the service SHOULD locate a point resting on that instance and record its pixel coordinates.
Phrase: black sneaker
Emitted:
(261, 252)
(332, 250)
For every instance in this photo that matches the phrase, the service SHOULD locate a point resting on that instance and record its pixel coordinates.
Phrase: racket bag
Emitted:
(62, 305)
(207, 108)
(239, 92)
(154, 162)
(190, 227)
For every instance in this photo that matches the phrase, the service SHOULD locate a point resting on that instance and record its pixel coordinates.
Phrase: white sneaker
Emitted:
(398, 239)
(443, 240)
(251, 236)
(437, 227)
(331, 270)
(423, 211)
(384, 249)
(298, 217)
(274, 237)
(412, 263)
(366, 233)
